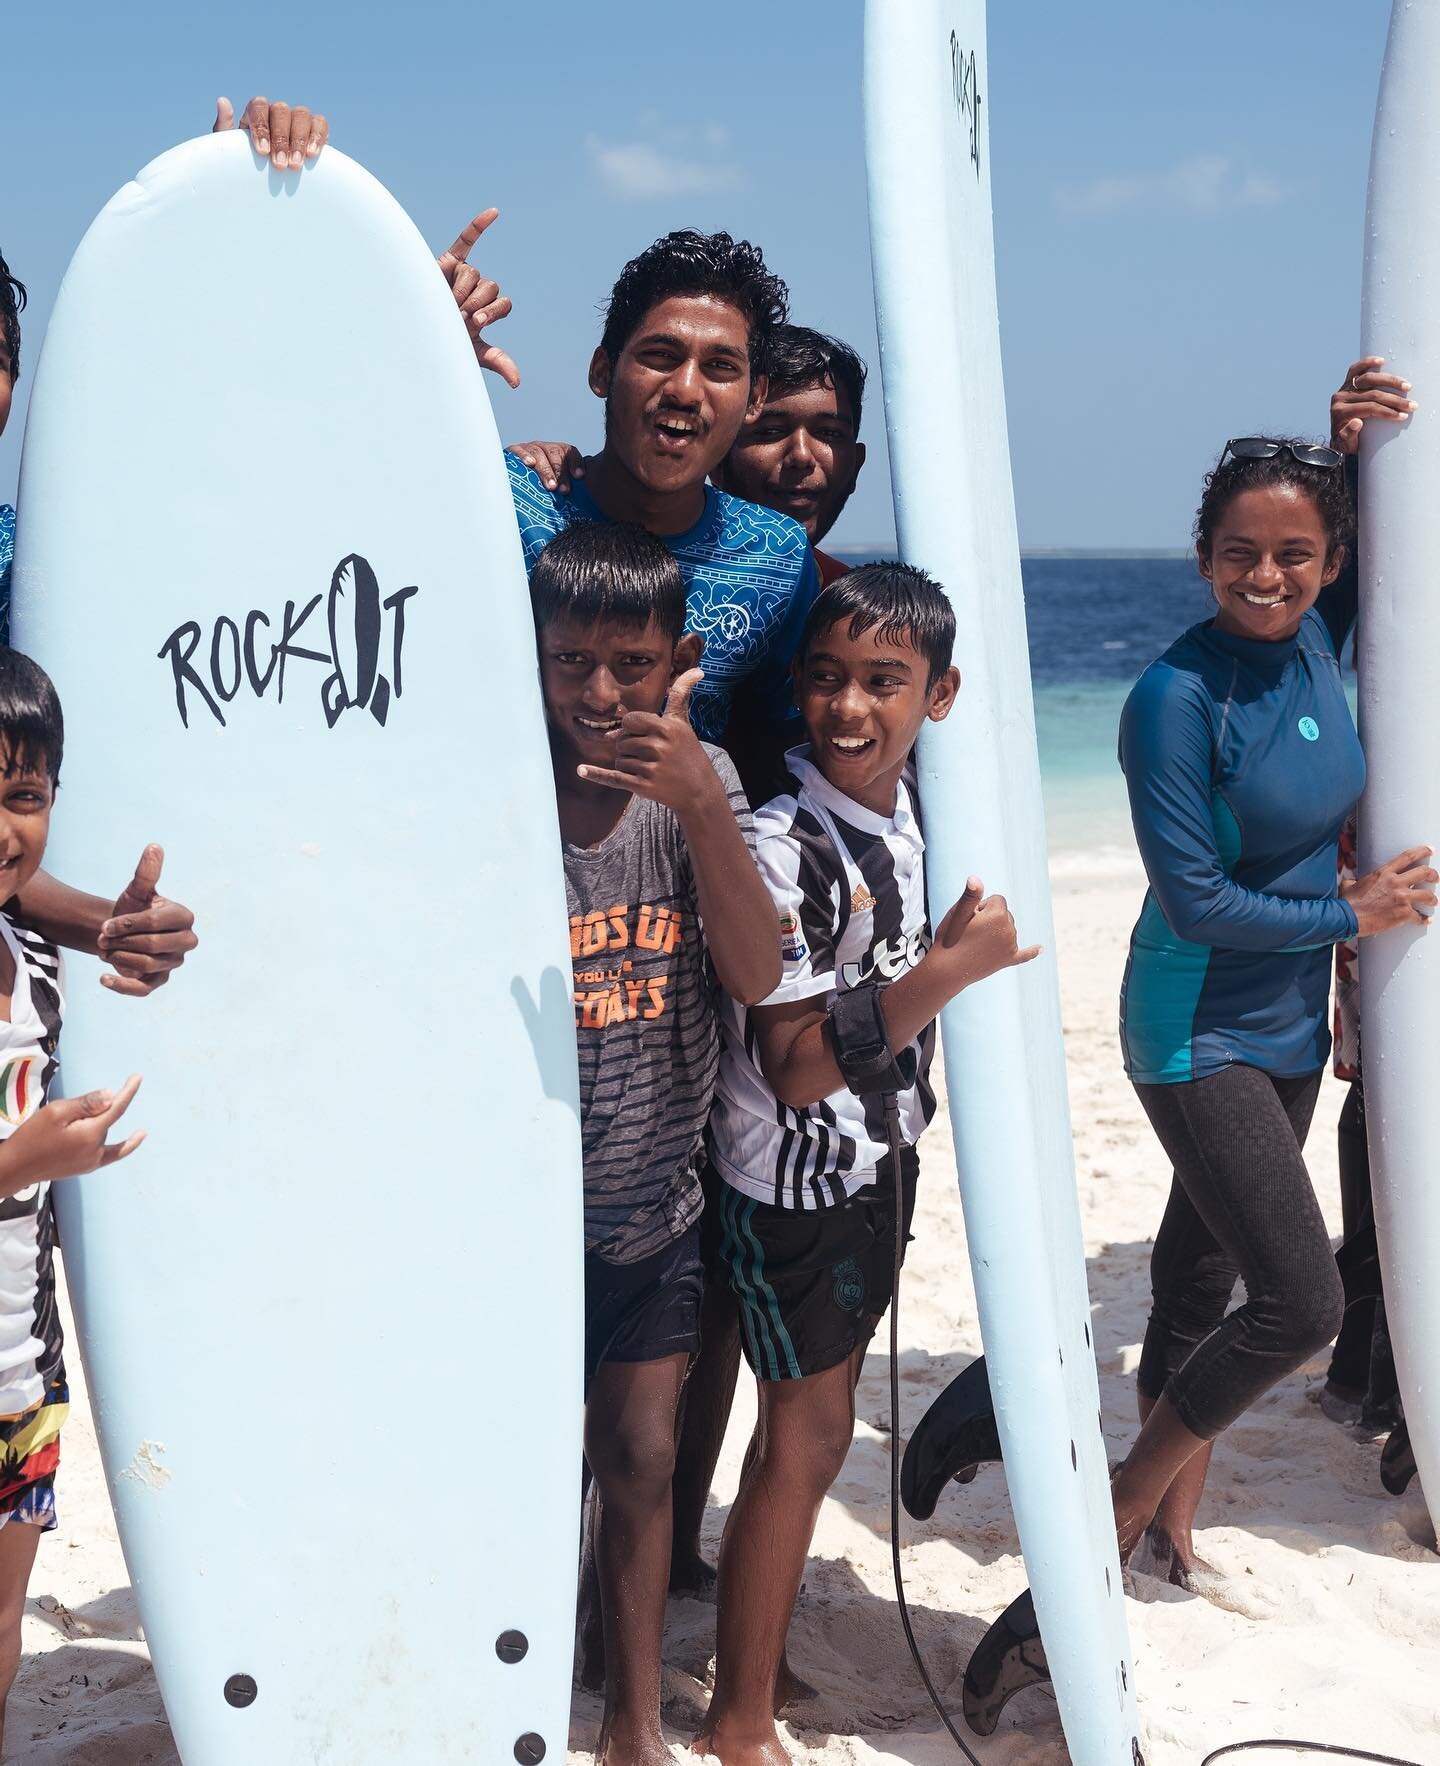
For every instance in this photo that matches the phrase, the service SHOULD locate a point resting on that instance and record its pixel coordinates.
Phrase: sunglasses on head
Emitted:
(1260, 447)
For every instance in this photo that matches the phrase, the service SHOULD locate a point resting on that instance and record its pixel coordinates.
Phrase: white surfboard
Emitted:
(1399, 670)
(331, 1310)
(927, 98)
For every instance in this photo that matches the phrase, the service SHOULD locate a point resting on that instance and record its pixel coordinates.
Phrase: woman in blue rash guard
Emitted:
(1242, 764)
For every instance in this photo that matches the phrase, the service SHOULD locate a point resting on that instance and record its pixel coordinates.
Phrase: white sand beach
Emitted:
(1348, 1576)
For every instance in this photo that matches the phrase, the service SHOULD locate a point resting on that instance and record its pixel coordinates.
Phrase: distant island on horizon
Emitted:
(886, 549)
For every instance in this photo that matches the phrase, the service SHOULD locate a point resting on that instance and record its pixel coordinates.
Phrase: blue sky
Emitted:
(1179, 193)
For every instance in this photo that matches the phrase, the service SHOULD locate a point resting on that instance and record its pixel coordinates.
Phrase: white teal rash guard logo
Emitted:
(1309, 729)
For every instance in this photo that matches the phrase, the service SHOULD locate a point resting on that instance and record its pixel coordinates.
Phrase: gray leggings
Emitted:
(1241, 1207)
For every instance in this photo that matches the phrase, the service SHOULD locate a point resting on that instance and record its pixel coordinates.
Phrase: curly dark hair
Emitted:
(1327, 487)
(694, 263)
(12, 301)
(797, 357)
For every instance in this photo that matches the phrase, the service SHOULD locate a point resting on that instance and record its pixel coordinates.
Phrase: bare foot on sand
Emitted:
(620, 1745)
(1234, 1594)
(737, 1750)
(1178, 1563)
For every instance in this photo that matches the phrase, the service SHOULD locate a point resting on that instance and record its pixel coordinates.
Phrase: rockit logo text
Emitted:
(253, 653)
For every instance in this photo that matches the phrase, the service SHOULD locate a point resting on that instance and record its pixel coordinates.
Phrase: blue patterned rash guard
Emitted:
(1242, 763)
(750, 579)
(7, 553)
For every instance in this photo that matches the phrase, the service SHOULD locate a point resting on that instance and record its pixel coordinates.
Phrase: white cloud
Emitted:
(673, 162)
(1261, 191)
(1203, 184)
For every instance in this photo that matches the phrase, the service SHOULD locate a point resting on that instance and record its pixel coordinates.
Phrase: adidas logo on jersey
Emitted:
(862, 900)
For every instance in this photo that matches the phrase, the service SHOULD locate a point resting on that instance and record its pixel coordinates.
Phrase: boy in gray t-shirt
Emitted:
(665, 903)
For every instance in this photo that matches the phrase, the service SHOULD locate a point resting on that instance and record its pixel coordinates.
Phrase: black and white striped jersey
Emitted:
(849, 889)
(30, 1340)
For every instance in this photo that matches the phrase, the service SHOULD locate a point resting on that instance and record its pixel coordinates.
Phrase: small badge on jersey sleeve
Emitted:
(792, 942)
(19, 1088)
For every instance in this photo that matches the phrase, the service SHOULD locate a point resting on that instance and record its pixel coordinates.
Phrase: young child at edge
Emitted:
(39, 1142)
(665, 902)
(802, 1215)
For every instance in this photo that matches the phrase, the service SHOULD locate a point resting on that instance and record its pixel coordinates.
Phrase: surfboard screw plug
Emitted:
(512, 1646)
(530, 1749)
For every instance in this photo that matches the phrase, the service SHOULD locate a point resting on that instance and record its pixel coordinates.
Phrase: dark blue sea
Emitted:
(1094, 625)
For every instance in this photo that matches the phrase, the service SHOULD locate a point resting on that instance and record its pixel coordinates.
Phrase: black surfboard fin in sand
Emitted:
(1397, 1461)
(1007, 1659)
(954, 1438)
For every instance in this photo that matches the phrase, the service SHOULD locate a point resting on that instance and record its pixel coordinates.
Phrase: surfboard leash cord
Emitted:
(1306, 1747)
(892, 1129)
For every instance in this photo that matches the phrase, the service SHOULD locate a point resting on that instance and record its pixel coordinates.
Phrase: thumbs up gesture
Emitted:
(146, 936)
(658, 755)
(976, 939)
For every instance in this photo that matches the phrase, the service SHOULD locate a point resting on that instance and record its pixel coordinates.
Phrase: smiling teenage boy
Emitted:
(806, 1222)
(802, 453)
(665, 904)
(686, 326)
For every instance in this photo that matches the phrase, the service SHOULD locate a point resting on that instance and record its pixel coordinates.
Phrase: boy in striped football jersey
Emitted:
(801, 1213)
(39, 1142)
(665, 903)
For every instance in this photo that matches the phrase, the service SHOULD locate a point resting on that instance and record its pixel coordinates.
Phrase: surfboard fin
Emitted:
(1397, 1461)
(1007, 1659)
(955, 1437)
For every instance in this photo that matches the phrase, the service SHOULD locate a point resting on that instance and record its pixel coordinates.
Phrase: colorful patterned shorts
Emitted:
(29, 1457)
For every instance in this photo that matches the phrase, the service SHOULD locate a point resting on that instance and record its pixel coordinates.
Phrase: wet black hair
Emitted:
(906, 604)
(691, 263)
(608, 572)
(1327, 488)
(797, 357)
(12, 303)
(31, 727)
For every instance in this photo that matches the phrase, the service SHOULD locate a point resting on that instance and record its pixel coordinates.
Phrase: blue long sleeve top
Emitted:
(1242, 762)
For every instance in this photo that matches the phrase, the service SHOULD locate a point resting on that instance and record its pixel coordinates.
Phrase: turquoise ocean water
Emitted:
(1094, 624)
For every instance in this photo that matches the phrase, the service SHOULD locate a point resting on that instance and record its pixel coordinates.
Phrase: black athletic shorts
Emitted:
(646, 1310)
(810, 1282)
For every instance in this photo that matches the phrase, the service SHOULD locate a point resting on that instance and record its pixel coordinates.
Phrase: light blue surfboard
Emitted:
(1396, 659)
(927, 128)
(331, 1310)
